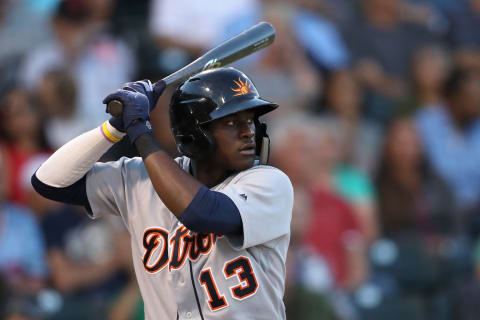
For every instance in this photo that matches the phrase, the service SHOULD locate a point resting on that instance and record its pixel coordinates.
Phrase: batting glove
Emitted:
(153, 92)
(136, 112)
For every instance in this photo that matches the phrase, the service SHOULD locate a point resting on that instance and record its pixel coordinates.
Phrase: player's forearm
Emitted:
(73, 160)
(175, 187)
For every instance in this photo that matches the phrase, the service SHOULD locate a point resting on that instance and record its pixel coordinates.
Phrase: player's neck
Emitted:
(208, 174)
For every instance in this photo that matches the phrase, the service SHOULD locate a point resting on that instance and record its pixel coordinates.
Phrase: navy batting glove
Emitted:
(153, 92)
(136, 114)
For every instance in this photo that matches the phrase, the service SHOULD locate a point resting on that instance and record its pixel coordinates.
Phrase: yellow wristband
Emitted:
(110, 137)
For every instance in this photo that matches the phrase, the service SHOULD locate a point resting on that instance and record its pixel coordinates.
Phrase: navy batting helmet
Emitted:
(211, 95)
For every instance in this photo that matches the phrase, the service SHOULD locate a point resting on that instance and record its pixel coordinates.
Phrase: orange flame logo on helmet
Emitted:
(242, 87)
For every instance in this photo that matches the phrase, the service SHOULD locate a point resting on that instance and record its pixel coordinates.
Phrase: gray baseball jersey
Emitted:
(202, 276)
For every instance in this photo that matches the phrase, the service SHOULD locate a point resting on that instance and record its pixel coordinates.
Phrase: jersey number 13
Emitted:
(242, 268)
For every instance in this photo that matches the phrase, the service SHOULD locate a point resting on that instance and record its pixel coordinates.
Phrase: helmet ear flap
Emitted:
(196, 145)
(265, 150)
(210, 142)
(262, 141)
(184, 142)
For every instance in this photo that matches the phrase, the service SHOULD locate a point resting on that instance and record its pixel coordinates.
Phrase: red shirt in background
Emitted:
(332, 225)
(15, 160)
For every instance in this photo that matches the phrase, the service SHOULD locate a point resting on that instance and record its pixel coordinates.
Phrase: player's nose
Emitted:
(247, 130)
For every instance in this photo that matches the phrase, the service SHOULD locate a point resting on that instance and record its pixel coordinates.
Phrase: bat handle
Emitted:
(115, 108)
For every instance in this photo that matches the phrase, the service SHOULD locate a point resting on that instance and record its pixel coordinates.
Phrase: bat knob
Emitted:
(115, 108)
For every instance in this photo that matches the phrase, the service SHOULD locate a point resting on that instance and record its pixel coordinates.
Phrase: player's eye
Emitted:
(230, 123)
(250, 121)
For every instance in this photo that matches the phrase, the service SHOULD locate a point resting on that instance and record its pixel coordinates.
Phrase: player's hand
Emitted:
(136, 112)
(153, 92)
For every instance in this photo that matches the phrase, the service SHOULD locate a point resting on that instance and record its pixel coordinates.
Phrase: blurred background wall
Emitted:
(378, 129)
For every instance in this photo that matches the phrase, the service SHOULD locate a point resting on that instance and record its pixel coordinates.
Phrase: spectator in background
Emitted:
(100, 12)
(327, 254)
(451, 136)
(342, 239)
(342, 12)
(381, 46)
(447, 7)
(22, 138)
(292, 146)
(294, 155)
(185, 34)
(412, 198)
(465, 36)
(283, 72)
(427, 14)
(57, 95)
(309, 281)
(335, 231)
(360, 137)
(416, 213)
(22, 253)
(290, 152)
(358, 141)
(39, 205)
(318, 36)
(18, 37)
(429, 69)
(90, 262)
(98, 62)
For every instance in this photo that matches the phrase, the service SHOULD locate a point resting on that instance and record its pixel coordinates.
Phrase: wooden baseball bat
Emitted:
(253, 39)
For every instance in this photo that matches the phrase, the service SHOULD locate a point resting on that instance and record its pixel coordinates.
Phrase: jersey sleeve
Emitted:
(264, 198)
(106, 188)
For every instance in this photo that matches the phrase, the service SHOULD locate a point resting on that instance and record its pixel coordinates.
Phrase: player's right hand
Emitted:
(136, 112)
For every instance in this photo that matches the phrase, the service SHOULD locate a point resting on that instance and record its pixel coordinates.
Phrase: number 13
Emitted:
(242, 268)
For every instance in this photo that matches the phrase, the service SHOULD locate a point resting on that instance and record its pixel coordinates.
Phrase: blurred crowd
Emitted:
(378, 129)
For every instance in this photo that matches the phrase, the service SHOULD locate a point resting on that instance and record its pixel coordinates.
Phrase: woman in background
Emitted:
(21, 138)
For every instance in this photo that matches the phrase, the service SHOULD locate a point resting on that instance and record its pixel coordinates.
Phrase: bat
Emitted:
(249, 41)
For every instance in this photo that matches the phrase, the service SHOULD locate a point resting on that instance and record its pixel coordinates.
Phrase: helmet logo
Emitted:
(242, 87)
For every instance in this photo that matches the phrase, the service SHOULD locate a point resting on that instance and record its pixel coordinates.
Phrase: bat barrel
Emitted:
(253, 39)
(249, 41)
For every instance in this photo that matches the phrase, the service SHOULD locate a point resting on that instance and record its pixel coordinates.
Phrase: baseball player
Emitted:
(209, 230)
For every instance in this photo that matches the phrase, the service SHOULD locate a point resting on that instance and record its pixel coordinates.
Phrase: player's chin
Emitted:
(244, 162)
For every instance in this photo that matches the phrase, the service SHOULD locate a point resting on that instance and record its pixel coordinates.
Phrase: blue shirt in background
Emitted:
(453, 153)
(22, 251)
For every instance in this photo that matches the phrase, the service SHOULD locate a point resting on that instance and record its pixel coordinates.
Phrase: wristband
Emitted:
(110, 133)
